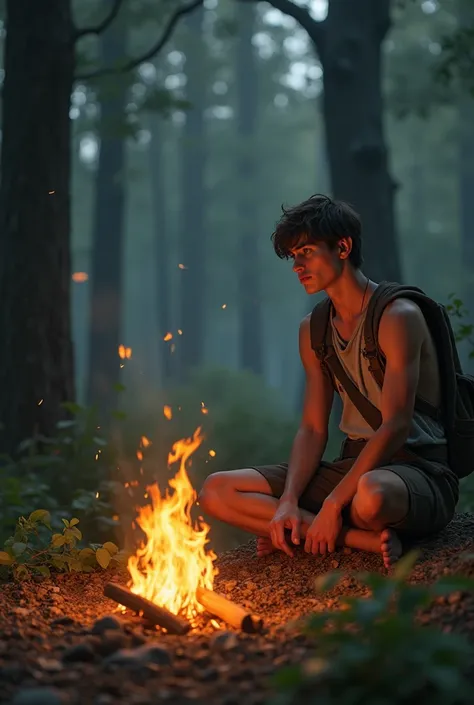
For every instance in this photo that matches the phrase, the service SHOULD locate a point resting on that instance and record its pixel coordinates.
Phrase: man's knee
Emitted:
(213, 492)
(374, 496)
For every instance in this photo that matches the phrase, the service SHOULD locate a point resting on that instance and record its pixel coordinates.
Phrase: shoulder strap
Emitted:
(385, 293)
(321, 342)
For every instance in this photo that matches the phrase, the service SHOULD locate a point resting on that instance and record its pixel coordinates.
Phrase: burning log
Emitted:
(229, 612)
(157, 615)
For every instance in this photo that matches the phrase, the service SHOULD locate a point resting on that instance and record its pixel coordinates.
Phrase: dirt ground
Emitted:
(55, 650)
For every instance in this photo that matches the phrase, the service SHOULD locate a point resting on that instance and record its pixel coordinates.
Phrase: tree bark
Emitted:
(348, 43)
(108, 234)
(350, 53)
(36, 356)
(250, 299)
(190, 346)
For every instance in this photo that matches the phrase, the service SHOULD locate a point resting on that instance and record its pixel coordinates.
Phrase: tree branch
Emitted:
(301, 14)
(155, 49)
(98, 29)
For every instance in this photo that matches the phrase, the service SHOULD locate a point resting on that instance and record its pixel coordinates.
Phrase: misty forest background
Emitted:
(146, 151)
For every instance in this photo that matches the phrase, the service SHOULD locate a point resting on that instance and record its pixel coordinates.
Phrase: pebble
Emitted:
(82, 652)
(141, 656)
(39, 696)
(63, 621)
(224, 641)
(106, 624)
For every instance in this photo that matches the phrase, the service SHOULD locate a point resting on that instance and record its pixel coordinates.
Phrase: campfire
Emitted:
(172, 573)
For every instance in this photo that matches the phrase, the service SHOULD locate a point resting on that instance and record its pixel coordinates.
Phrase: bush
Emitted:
(374, 652)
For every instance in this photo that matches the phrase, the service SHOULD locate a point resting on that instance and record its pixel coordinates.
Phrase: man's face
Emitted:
(316, 265)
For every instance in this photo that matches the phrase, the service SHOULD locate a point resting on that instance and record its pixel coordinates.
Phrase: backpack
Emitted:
(457, 389)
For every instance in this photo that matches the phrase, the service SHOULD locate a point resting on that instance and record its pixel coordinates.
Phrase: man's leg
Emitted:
(244, 499)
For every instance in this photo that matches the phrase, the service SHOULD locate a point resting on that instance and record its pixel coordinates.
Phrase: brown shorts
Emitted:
(433, 490)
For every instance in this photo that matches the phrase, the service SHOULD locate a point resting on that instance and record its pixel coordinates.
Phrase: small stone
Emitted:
(63, 621)
(105, 624)
(454, 597)
(55, 611)
(55, 589)
(141, 656)
(335, 564)
(250, 585)
(112, 641)
(82, 652)
(51, 665)
(224, 641)
(21, 611)
(208, 674)
(202, 658)
(39, 696)
(229, 585)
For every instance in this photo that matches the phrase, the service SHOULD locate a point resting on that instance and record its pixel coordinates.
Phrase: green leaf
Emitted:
(103, 557)
(40, 516)
(86, 553)
(18, 548)
(405, 565)
(73, 522)
(72, 407)
(118, 387)
(21, 572)
(57, 540)
(65, 522)
(43, 570)
(5, 558)
(111, 548)
(66, 423)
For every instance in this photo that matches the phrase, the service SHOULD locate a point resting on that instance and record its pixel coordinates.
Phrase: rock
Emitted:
(106, 624)
(250, 585)
(63, 621)
(224, 641)
(39, 696)
(229, 585)
(141, 656)
(51, 665)
(21, 611)
(335, 564)
(82, 652)
(112, 641)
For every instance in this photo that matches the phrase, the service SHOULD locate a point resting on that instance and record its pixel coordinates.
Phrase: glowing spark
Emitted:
(181, 266)
(40, 402)
(224, 306)
(180, 332)
(124, 352)
(167, 337)
(80, 277)
(145, 442)
(168, 412)
(212, 453)
(139, 455)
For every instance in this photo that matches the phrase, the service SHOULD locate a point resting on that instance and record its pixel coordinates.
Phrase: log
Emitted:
(153, 613)
(229, 612)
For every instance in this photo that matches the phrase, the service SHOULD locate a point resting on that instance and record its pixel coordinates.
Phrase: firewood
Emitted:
(153, 613)
(229, 612)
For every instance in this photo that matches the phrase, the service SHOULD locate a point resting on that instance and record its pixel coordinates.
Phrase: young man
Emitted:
(369, 497)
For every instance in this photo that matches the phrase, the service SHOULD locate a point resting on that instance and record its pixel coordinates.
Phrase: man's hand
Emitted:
(324, 530)
(287, 516)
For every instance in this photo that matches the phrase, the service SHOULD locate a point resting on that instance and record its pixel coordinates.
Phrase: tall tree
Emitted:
(348, 43)
(36, 358)
(193, 239)
(108, 228)
(249, 302)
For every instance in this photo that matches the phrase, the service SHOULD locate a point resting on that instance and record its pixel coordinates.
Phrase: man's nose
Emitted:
(297, 266)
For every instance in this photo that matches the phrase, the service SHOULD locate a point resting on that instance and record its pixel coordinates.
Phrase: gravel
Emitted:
(62, 644)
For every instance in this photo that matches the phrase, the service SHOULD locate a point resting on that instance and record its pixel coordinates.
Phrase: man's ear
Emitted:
(345, 247)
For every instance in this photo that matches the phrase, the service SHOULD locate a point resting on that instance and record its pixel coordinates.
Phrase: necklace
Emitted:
(363, 298)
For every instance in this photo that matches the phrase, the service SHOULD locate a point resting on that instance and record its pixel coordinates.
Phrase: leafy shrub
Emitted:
(35, 548)
(374, 652)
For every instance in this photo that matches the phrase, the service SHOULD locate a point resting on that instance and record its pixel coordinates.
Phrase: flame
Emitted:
(124, 352)
(169, 567)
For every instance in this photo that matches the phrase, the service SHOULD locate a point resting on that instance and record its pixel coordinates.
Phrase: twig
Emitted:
(302, 15)
(155, 49)
(102, 26)
(151, 612)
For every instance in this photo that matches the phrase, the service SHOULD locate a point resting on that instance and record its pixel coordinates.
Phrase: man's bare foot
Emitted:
(264, 546)
(391, 547)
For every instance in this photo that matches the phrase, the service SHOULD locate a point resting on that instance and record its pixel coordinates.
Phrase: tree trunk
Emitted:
(190, 347)
(161, 248)
(36, 356)
(108, 233)
(250, 299)
(350, 52)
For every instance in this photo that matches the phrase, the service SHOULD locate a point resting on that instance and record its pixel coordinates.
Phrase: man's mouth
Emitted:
(304, 278)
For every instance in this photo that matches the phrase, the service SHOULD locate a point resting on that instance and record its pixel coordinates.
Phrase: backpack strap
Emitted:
(322, 344)
(385, 293)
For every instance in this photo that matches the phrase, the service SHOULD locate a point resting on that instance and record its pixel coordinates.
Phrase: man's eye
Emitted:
(307, 251)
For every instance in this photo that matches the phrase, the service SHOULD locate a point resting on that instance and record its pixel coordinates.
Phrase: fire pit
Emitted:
(172, 573)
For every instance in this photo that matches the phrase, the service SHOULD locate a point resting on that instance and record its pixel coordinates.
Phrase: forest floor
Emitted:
(53, 649)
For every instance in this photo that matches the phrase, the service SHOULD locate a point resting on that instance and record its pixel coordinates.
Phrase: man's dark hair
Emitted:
(318, 219)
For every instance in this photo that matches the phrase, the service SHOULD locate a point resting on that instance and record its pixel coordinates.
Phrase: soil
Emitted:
(56, 648)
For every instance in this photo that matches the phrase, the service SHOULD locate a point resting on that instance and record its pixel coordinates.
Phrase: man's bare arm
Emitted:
(401, 336)
(311, 438)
